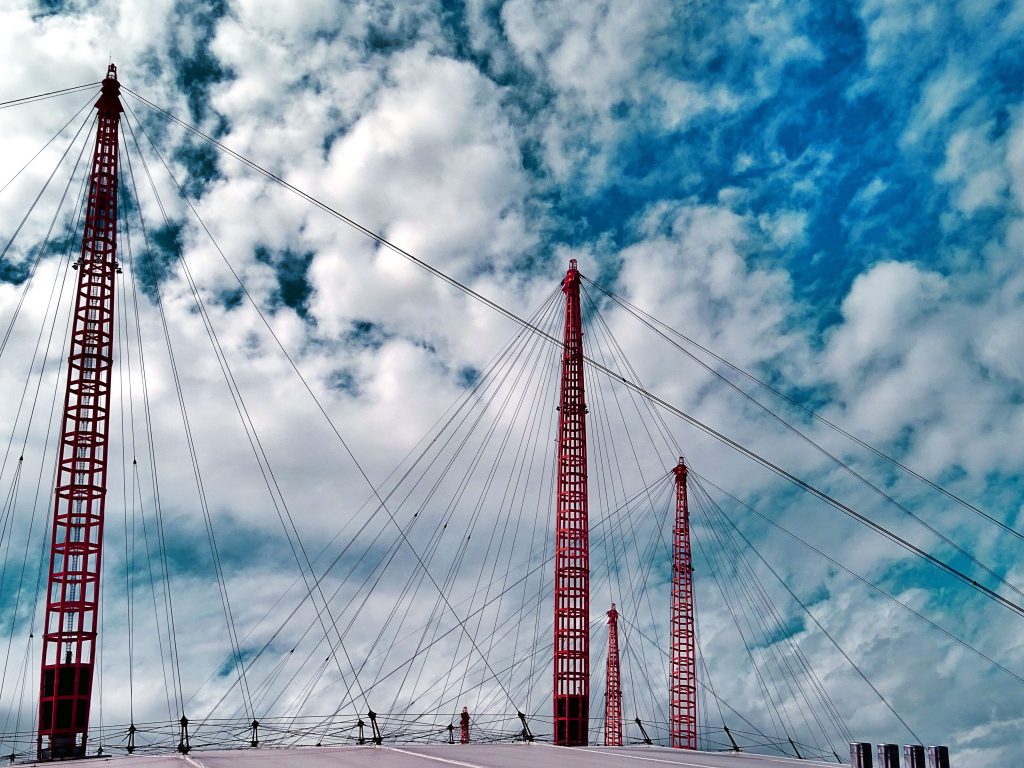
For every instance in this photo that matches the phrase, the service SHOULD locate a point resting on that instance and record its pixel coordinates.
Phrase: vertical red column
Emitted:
(683, 660)
(72, 598)
(464, 726)
(572, 536)
(613, 689)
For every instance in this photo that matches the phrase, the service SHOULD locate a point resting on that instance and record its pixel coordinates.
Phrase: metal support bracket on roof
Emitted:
(527, 733)
(640, 725)
(377, 738)
(735, 746)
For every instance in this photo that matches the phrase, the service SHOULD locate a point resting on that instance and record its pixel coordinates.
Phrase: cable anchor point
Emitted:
(377, 738)
(183, 743)
(643, 731)
(527, 734)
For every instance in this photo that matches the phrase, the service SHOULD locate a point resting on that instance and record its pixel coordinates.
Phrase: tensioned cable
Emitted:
(21, 224)
(662, 429)
(602, 326)
(43, 560)
(137, 506)
(47, 95)
(435, 542)
(862, 579)
(707, 676)
(7, 519)
(717, 698)
(40, 251)
(804, 485)
(546, 481)
(841, 464)
(529, 370)
(142, 128)
(812, 617)
(366, 478)
(757, 588)
(124, 367)
(650, 321)
(607, 347)
(46, 184)
(539, 426)
(196, 469)
(28, 377)
(755, 591)
(484, 379)
(154, 476)
(253, 438)
(821, 495)
(599, 524)
(60, 278)
(48, 143)
(759, 604)
(975, 584)
(665, 434)
(770, 703)
(749, 589)
(610, 519)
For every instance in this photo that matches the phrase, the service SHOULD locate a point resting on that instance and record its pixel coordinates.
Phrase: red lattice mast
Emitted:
(613, 689)
(572, 542)
(73, 592)
(683, 661)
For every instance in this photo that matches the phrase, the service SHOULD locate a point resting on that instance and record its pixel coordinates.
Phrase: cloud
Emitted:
(832, 201)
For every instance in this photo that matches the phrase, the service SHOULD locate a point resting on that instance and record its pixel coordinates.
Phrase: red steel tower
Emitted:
(572, 536)
(682, 684)
(72, 597)
(613, 690)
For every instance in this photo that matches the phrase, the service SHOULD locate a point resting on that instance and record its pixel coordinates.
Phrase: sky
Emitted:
(829, 195)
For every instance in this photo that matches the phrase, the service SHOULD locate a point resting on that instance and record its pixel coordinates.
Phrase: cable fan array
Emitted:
(429, 590)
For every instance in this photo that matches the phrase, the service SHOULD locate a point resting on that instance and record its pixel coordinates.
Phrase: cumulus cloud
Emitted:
(836, 206)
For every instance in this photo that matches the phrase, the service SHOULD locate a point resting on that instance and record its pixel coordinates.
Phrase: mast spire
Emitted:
(613, 689)
(73, 591)
(572, 536)
(683, 659)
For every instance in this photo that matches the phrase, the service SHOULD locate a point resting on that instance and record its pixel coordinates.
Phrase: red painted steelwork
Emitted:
(613, 689)
(683, 660)
(572, 536)
(73, 592)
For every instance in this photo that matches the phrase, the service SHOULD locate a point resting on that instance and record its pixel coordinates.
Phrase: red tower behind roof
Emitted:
(683, 658)
(572, 536)
(613, 689)
(73, 591)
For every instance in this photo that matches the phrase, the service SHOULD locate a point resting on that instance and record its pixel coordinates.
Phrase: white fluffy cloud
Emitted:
(372, 108)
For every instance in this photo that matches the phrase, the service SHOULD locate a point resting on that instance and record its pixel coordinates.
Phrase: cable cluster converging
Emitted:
(457, 535)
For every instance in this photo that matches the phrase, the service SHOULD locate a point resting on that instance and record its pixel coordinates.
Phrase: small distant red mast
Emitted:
(613, 689)
(683, 656)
